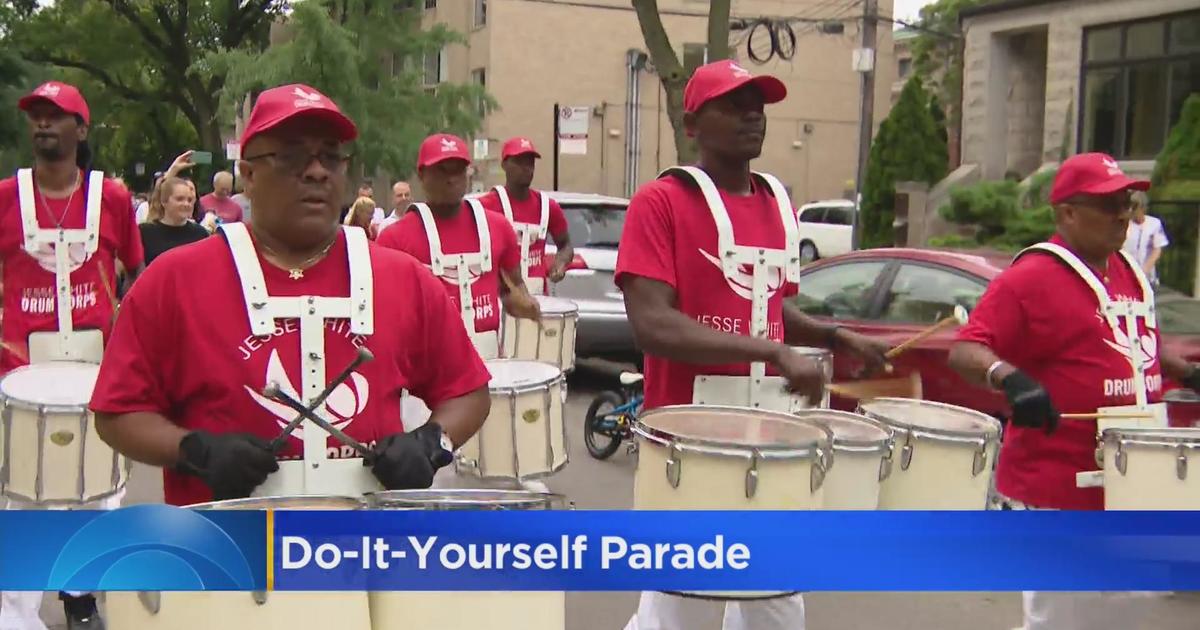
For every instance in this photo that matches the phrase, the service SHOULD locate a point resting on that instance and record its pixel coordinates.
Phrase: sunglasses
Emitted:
(294, 161)
(1110, 204)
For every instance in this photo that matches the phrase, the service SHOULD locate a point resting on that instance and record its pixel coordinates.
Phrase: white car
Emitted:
(825, 229)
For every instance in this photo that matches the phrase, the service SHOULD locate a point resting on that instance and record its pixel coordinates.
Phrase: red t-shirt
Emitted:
(29, 285)
(227, 210)
(184, 349)
(1041, 317)
(459, 235)
(529, 210)
(669, 236)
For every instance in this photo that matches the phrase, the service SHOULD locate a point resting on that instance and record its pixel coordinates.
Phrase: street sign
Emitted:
(573, 126)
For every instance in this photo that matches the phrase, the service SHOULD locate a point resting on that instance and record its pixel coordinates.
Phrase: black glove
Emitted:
(1030, 402)
(1192, 380)
(232, 465)
(404, 461)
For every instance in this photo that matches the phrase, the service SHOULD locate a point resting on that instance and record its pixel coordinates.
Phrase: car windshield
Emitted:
(1178, 314)
(593, 224)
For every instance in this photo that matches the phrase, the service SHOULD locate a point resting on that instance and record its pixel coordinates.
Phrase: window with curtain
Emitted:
(1136, 76)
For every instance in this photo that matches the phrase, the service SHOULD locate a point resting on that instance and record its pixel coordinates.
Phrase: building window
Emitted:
(903, 68)
(430, 4)
(1136, 76)
(435, 68)
(480, 13)
(479, 77)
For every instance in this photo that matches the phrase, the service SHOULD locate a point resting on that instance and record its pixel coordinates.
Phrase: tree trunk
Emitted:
(671, 73)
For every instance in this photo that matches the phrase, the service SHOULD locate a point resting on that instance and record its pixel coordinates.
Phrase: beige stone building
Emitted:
(1044, 79)
(531, 54)
(902, 57)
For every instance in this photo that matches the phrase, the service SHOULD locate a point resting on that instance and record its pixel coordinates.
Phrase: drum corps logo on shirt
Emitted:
(347, 400)
(1122, 346)
(743, 281)
(77, 254)
(41, 300)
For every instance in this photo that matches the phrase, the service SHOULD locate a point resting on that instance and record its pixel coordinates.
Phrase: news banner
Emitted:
(163, 548)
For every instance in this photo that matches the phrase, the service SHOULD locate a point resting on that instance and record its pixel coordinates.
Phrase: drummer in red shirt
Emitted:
(60, 192)
(182, 381)
(694, 315)
(1042, 333)
(533, 214)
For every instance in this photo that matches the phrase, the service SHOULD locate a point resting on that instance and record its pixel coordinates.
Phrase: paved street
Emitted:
(608, 485)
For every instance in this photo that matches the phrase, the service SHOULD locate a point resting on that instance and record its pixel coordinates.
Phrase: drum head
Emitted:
(930, 417)
(816, 353)
(520, 374)
(732, 428)
(53, 384)
(314, 502)
(1181, 437)
(555, 305)
(464, 499)
(849, 429)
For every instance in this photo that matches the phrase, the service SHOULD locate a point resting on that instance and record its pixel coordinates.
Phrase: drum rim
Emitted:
(378, 500)
(282, 500)
(1186, 437)
(900, 426)
(881, 445)
(558, 378)
(810, 450)
(7, 400)
(574, 310)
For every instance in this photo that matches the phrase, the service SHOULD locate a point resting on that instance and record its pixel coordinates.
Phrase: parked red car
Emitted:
(895, 293)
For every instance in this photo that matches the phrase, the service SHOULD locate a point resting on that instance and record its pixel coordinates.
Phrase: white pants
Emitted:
(661, 611)
(1055, 610)
(19, 609)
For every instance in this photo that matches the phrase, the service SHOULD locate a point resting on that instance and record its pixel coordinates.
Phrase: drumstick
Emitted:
(959, 317)
(272, 391)
(902, 387)
(363, 356)
(1124, 415)
(15, 351)
(108, 289)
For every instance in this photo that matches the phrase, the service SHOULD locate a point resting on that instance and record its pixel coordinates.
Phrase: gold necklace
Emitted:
(297, 272)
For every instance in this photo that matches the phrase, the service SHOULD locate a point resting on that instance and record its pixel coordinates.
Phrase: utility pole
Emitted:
(864, 64)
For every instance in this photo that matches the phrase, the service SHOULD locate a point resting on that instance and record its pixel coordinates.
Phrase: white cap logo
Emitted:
(1112, 166)
(525, 144)
(738, 71)
(305, 99)
(49, 89)
(449, 145)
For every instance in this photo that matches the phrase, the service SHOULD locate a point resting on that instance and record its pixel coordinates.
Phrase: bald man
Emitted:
(220, 201)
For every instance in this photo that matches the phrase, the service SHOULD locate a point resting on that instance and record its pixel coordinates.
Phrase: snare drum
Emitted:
(862, 458)
(694, 457)
(1183, 408)
(524, 436)
(1150, 469)
(941, 457)
(550, 341)
(275, 610)
(495, 610)
(51, 452)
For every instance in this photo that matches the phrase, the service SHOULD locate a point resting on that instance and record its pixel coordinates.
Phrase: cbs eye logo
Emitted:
(152, 547)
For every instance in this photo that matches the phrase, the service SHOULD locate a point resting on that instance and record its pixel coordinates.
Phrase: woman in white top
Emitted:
(1145, 238)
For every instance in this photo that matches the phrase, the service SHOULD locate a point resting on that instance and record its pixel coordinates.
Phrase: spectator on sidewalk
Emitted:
(170, 223)
(220, 202)
(1145, 237)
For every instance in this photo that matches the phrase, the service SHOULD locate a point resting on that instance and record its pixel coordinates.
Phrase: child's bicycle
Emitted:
(610, 417)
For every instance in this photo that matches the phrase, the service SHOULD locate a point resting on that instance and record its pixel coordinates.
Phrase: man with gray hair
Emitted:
(220, 201)
(1145, 238)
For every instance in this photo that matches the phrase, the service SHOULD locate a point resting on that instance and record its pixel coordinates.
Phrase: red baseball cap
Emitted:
(441, 147)
(63, 95)
(1092, 174)
(518, 146)
(719, 78)
(280, 104)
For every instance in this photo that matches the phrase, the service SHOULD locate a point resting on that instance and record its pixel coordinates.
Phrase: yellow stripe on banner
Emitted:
(270, 550)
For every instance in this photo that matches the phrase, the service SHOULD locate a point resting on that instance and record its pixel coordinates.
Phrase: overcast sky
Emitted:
(908, 10)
